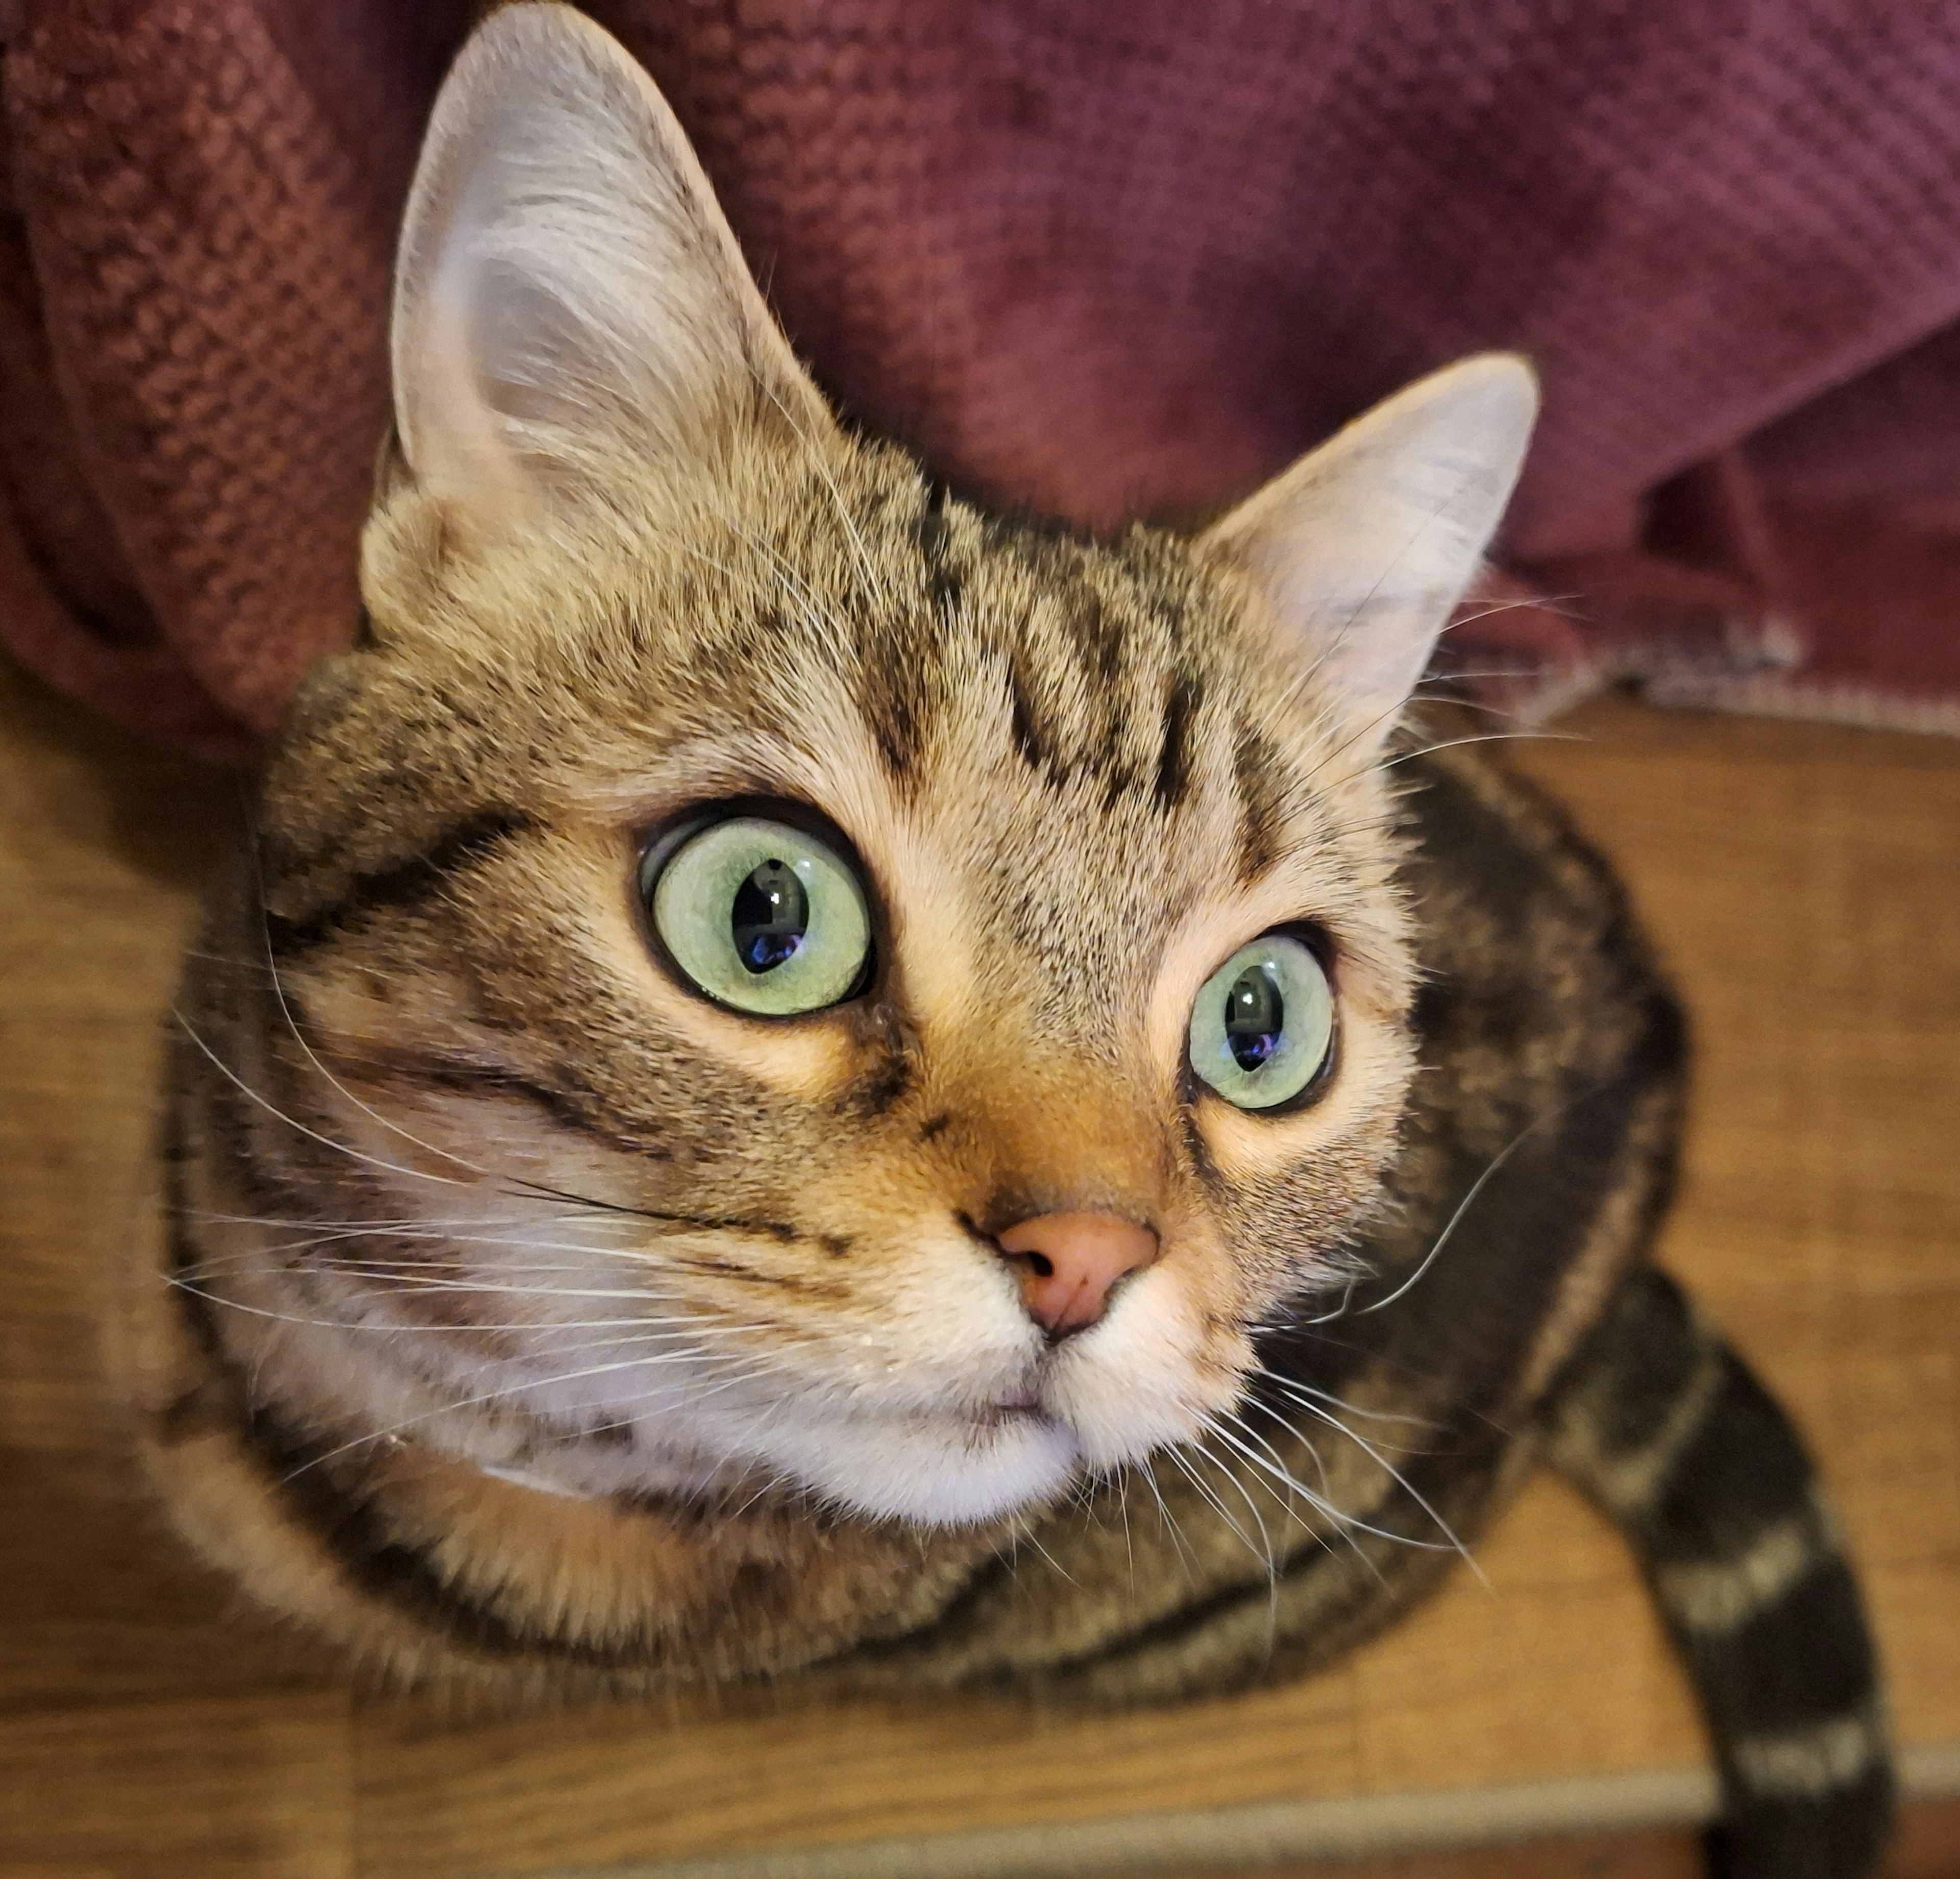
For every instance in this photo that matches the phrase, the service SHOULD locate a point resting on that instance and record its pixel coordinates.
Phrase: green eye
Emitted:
(1263, 1026)
(761, 916)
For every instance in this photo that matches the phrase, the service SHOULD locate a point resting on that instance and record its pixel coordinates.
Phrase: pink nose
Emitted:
(1068, 1263)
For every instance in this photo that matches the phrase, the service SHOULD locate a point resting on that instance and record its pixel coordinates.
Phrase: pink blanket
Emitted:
(1095, 258)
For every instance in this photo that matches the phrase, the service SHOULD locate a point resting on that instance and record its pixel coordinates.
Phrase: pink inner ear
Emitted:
(570, 307)
(1365, 545)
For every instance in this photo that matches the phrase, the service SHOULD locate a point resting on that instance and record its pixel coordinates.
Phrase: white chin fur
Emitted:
(905, 1471)
(1139, 1391)
(1114, 1395)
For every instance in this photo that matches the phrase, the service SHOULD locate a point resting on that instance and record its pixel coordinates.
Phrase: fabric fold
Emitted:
(1100, 262)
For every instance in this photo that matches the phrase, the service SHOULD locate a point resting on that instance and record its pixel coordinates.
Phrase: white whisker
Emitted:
(272, 1109)
(1452, 1544)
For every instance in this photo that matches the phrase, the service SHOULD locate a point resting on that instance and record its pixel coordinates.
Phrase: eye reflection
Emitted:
(1254, 1016)
(770, 918)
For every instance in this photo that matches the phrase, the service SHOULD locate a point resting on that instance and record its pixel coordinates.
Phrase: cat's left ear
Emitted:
(571, 312)
(1364, 548)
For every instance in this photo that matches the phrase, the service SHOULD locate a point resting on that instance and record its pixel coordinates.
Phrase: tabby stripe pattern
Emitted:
(1665, 1427)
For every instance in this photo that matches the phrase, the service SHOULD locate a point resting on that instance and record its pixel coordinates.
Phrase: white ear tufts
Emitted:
(570, 303)
(1365, 545)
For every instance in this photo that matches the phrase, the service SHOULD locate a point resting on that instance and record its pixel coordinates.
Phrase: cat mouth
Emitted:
(1013, 1412)
(1020, 1410)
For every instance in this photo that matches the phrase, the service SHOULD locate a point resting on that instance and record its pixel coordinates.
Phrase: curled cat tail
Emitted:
(1663, 1425)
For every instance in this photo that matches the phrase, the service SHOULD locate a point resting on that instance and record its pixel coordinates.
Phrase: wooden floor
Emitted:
(1805, 883)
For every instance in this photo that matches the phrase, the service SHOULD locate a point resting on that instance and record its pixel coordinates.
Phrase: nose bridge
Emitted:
(1043, 1098)
(1079, 1137)
(1063, 1160)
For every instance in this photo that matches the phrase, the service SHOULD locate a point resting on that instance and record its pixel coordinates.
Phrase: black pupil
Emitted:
(770, 918)
(1254, 1016)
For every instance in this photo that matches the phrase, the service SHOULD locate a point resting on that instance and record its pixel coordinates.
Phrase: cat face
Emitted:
(825, 987)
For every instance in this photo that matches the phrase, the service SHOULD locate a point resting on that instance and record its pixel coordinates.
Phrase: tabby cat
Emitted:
(796, 1078)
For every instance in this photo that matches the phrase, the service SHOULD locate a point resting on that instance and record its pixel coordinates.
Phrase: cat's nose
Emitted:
(1068, 1264)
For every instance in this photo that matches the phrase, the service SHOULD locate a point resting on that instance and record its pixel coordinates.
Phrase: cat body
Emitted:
(1380, 1432)
(1210, 1155)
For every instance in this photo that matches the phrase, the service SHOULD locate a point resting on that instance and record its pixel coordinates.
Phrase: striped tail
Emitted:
(1662, 1424)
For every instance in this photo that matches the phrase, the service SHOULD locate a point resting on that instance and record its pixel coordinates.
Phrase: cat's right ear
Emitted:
(1363, 548)
(570, 307)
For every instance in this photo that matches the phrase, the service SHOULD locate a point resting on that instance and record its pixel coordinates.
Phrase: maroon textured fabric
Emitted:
(1095, 260)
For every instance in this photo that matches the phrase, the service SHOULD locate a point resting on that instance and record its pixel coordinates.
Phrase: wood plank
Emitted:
(1554, 1665)
(1657, 1856)
(1929, 1848)
(1929, 1843)
(219, 1790)
(104, 1606)
(611, 1784)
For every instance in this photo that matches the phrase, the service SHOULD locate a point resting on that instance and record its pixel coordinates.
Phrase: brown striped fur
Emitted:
(452, 1151)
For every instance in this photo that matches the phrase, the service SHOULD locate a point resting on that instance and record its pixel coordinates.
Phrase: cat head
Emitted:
(858, 996)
